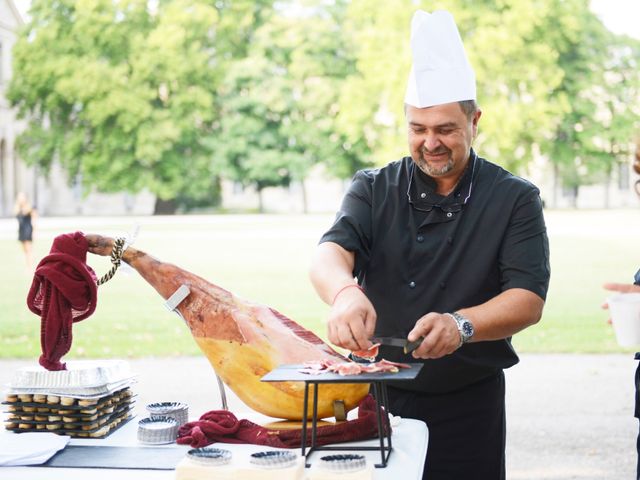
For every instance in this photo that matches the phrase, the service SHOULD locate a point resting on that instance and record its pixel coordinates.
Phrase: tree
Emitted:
(119, 93)
(601, 85)
(279, 103)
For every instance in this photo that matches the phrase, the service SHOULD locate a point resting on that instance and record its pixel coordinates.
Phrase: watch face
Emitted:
(467, 329)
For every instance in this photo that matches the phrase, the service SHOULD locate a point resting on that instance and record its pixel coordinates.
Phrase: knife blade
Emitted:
(403, 343)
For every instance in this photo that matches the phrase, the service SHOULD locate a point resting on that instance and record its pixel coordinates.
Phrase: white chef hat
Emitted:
(440, 72)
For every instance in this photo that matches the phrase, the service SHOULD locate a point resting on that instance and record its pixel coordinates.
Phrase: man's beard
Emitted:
(432, 170)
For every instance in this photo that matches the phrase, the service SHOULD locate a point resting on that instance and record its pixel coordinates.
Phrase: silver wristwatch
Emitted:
(465, 327)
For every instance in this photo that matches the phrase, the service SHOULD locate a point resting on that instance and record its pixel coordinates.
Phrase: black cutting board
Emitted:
(146, 458)
(291, 373)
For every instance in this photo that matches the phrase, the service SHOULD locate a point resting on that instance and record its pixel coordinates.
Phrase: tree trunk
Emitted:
(556, 174)
(305, 206)
(607, 188)
(260, 201)
(165, 207)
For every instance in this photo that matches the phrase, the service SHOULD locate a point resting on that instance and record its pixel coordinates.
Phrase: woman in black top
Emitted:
(26, 216)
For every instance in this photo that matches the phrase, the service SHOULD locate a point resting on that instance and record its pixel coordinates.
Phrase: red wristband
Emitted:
(344, 288)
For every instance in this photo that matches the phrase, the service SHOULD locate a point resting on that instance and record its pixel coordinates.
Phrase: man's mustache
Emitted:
(435, 152)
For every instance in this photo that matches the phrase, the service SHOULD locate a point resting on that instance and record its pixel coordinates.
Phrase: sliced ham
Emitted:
(352, 368)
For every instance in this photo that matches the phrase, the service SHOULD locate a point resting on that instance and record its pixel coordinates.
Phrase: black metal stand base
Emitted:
(380, 394)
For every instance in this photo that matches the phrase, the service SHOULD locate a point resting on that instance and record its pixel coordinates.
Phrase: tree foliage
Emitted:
(279, 103)
(173, 95)
(601, 89)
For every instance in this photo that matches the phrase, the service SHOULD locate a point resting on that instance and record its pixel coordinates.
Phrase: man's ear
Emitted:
(474, 122)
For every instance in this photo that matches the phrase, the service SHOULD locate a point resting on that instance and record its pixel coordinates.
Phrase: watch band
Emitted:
(465, 327)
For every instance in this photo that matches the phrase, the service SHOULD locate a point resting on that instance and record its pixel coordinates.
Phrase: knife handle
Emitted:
(411, 346)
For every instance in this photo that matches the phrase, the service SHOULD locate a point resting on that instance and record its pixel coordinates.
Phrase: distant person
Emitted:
(26, 215)
(631, 288)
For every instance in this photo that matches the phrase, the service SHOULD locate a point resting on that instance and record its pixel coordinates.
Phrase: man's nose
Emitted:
(431, 142)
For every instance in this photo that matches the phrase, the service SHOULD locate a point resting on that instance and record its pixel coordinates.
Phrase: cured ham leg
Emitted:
(243, 340)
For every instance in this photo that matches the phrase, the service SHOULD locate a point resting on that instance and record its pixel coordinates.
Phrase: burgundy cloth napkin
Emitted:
(63, 291)
(223, 426)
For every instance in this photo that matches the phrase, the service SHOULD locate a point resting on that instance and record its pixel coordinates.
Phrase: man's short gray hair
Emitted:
(469, 107)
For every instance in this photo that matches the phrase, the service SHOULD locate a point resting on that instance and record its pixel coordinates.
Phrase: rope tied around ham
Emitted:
(224, 426)
(116, 259)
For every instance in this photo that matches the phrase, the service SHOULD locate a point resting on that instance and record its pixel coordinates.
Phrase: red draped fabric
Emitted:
(223, 426)
(63, 291)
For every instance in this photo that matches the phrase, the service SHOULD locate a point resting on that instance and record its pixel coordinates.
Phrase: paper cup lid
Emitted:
(209, 456)
(274, 459)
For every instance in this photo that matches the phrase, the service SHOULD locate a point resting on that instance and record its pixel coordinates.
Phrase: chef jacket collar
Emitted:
(422, 195)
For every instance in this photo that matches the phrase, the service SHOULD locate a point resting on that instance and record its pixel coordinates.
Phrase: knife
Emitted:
(405, 344)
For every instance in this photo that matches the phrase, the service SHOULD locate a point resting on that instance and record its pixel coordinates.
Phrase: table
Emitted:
(410, 439)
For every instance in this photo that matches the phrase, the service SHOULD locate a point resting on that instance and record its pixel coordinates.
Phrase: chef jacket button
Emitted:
(449, 214)
(420, 239)
(412, 284)
(443, 285)
(423, 195)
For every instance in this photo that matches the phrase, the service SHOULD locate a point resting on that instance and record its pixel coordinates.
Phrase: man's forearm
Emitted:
(504, 315)
(331, 270)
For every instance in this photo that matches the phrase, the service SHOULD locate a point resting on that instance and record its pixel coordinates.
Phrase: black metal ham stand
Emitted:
(292, 373)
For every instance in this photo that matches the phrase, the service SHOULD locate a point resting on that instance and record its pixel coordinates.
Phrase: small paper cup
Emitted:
(625, 316)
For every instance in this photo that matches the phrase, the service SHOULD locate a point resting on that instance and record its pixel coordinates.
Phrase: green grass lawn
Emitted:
(265, 259)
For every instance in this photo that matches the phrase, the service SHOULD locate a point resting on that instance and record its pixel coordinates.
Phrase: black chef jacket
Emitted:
(418, 252)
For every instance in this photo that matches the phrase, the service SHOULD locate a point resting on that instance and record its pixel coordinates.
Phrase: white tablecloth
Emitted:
(409, 441)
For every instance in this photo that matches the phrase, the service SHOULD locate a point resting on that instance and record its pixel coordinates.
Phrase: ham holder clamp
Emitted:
(378, 381)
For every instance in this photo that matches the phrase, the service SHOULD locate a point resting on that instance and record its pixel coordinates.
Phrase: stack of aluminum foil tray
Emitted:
(91, 399)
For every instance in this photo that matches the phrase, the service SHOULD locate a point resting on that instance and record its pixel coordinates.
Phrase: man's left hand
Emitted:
(441, 336)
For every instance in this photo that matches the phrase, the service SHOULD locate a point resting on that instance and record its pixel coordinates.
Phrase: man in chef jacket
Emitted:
(444, 245)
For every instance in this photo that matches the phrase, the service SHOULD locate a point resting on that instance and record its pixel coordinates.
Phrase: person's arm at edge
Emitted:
(622, 287)
(352, 317)
(34, 220)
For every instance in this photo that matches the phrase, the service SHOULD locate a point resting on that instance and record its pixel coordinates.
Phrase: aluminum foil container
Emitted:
(209, 456)
(158, 430)
(79, 374)
(343, 463)
(179, 411)
(76, 392)
(273, 459)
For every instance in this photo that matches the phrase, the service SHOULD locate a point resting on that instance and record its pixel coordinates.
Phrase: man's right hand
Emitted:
(352, 320)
